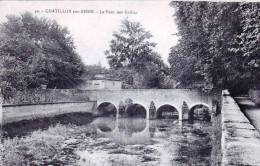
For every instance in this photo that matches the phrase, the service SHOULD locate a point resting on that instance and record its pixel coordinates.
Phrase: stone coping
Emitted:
(240, 140)
(25, 104)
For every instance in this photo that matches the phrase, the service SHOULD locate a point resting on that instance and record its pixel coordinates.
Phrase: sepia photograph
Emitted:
(129, 83)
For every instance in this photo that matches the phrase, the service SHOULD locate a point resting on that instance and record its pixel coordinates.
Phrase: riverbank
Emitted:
(54, 146)
(44, 141)
(25, 127)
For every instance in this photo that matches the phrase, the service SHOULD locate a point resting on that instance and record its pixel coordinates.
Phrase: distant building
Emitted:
(100, 82)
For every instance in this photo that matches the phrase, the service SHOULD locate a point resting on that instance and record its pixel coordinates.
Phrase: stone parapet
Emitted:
(15, 113)
(39, 96)
(240, 140)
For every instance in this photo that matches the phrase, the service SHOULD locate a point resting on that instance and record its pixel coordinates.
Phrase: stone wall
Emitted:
(240, 140)
(15, 113)
(38, 103)
(255, 95)
(33, 96)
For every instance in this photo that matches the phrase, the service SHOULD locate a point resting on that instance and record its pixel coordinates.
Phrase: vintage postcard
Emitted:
(129, 83)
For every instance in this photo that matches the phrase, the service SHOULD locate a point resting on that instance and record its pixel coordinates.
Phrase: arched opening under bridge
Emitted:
(136, 110)
(167, 112)
(199, 112)
(106, 109)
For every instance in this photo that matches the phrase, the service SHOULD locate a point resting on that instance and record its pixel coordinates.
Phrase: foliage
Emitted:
(37, 51)
(12, 156)
(131, 47)
(181, 59)
(249, 41)
(124, 74)
(91, 70)
(209, 49)
(131, 58)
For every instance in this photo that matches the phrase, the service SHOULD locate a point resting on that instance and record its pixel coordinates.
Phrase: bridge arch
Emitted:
(106, 109)
(199, 111)
(167, 110)
(136, 110)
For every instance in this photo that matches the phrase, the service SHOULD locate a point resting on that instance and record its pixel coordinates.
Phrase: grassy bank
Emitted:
(24, 127)
(44, 141)
(44, 147)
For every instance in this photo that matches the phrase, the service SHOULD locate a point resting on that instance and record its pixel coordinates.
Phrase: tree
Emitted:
(37, 51)
(210, 32)
(130, 47)
(186, 56)
(248, 43)
(132, 58)
(91, 70)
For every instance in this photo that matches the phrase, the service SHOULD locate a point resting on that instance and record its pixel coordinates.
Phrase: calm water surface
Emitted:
(129, 141)
(138, 141)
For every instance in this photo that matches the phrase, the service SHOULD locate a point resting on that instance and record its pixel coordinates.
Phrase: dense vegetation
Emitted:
(131, 57)
(219, 45)
(218, 48)
(36, 51)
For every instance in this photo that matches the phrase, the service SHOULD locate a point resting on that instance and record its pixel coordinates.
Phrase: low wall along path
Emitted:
(240, 140)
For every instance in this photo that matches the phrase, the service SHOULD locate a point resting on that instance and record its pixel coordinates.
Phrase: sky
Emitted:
(92, 32)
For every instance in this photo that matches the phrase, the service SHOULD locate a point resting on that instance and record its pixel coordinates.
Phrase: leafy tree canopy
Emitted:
(132, 57)
(216, 38)
(37, 51)
(130, 47)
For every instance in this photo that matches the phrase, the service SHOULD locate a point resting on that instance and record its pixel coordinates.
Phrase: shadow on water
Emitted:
(25, 127)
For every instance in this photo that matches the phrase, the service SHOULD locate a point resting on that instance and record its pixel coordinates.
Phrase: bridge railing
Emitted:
(37, 96)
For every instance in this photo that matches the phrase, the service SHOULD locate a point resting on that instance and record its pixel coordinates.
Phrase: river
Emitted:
(125, 141)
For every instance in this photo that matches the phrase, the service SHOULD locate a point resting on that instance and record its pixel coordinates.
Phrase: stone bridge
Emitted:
(160, 97)
(46, 103)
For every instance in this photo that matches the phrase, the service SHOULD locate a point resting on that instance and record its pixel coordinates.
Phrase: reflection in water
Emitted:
(124, 131)
(105, 124)
(159, 142)
(129, 141)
